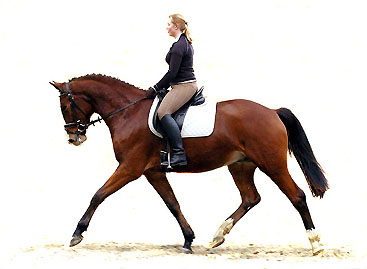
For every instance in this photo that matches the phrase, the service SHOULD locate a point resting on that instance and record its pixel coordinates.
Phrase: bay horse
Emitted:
(246, 136)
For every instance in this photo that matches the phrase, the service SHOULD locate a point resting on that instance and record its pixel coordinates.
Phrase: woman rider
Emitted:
(181, 78)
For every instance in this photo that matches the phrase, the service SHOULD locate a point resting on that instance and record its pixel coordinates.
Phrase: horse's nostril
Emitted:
(71, 141)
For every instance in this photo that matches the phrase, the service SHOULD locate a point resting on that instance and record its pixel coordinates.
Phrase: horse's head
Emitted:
(76, 111)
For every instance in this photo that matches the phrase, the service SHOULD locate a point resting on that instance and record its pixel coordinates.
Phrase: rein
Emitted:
(82, 127)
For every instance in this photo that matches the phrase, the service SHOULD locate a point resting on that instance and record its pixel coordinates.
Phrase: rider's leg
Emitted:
(175, 99)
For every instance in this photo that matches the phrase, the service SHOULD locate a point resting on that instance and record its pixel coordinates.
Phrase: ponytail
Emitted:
(179, 20)
(187, 34)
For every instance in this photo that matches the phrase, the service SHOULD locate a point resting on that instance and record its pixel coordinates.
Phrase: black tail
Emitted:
(298, 145)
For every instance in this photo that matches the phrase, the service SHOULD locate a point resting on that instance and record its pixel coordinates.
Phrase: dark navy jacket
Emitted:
(180, 60)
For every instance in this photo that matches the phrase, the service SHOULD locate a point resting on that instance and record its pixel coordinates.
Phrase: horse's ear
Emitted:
(56, 85)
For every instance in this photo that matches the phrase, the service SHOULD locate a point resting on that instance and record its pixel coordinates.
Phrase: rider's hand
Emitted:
(151, 93)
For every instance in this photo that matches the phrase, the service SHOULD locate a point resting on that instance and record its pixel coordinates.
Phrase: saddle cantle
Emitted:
(179, 115)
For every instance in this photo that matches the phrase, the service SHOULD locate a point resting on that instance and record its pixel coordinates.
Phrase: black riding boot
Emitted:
(178, 157)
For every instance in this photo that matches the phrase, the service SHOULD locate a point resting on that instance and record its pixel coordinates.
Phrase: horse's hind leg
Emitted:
(160, 183)
(243, 175)
(282, 178)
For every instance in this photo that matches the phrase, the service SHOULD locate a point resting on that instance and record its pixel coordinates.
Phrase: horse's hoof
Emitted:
(314, 238)
(318, 251)
(224, 229)
(186, 251)
(76, 240)
(217, 242)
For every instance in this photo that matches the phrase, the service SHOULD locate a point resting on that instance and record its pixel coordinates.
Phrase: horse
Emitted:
(246, 136)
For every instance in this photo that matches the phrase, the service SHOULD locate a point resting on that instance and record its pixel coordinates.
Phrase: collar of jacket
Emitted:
(178, 38)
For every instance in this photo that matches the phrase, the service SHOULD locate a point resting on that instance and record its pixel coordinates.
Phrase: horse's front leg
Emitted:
(160, 183)
(120, 178)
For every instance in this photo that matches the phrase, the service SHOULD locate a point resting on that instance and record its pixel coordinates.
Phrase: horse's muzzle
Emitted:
(76, 139)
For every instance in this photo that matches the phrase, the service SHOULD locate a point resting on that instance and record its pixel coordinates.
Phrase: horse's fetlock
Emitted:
(82, 227)
(189, 236)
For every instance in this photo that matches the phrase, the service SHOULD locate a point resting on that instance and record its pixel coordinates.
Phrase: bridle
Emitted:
(81, 128)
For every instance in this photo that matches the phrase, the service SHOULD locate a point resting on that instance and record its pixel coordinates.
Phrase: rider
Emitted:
(181, 78)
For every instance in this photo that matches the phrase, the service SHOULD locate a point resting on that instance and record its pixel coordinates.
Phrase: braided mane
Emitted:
(103, 78)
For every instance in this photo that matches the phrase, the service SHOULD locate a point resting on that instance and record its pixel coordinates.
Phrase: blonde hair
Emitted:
(181, 23)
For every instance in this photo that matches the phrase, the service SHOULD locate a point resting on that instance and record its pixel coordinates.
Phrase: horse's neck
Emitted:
(108, 98)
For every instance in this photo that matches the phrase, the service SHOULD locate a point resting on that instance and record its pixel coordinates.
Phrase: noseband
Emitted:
(82, 127)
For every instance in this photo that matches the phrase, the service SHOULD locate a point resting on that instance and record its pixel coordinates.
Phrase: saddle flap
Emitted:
(194, 120)
(180, 114)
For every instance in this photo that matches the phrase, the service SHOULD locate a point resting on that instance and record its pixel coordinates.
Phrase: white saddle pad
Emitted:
(198, 122)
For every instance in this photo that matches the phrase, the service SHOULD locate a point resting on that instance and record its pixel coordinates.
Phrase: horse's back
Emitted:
(251, 112)
(253, 122)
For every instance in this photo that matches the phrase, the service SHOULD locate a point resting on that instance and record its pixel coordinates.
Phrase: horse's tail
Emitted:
(298, 145)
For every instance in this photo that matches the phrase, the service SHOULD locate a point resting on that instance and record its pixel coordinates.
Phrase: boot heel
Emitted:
(178, 159)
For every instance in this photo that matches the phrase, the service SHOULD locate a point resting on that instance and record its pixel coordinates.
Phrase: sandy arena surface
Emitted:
(133, 255)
